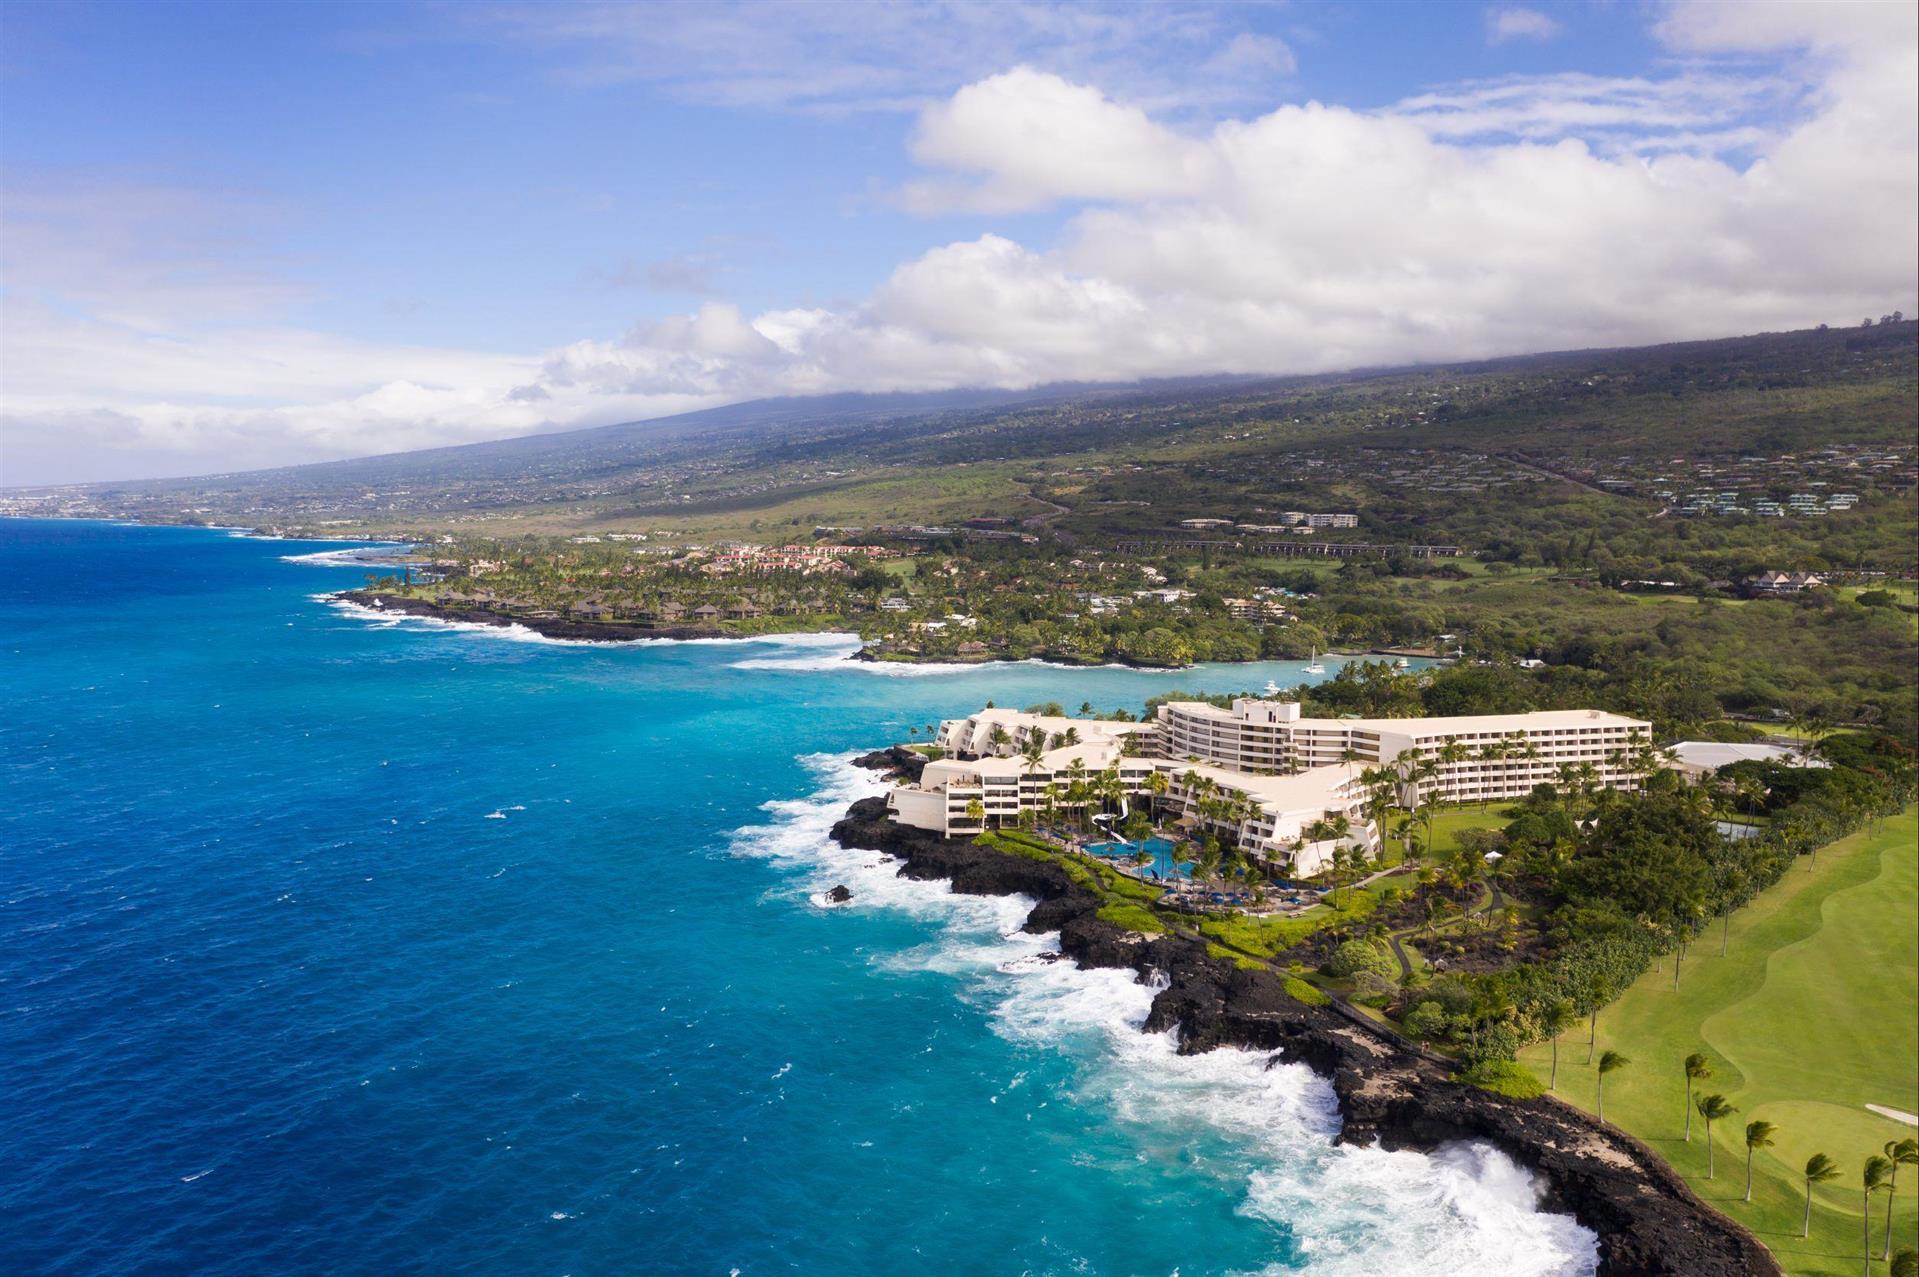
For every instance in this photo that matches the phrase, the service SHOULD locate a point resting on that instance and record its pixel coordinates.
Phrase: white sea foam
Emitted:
(841, 659)
(1466, 1210)
(381, 618)
(354, 556)
(517, 633)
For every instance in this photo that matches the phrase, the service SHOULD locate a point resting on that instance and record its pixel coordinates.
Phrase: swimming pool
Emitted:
(1161, 850)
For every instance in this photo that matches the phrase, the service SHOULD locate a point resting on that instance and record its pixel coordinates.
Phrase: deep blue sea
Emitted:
(335, 945)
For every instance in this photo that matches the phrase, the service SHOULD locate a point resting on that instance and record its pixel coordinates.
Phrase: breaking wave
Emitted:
(1463, 1211)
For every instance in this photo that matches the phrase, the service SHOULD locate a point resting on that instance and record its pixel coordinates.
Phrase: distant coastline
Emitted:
(574, 629)
(553, 627)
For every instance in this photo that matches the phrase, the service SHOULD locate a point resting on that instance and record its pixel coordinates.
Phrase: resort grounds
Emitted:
(1812, 1014)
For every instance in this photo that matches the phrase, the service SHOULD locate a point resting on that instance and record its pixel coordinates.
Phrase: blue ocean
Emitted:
(332, 944)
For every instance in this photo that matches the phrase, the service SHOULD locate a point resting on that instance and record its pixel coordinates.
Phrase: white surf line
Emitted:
(1351, 1211)
(1897, 1115)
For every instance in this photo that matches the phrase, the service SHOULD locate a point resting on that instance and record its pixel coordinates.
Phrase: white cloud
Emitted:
(1702, 109)
(1485, 219)
(1519, 24)
(1037, 138)
(797, 55)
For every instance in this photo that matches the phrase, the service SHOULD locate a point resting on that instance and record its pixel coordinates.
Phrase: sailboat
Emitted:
(1312, 664)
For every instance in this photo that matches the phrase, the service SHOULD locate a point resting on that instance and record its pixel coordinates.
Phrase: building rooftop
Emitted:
(1460, 725)
(1713, 755)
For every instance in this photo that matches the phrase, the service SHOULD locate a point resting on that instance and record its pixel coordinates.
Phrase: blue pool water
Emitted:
(335, 945)
(1161, 850)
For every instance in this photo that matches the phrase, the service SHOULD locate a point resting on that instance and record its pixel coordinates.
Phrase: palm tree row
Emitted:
(1881, 1171)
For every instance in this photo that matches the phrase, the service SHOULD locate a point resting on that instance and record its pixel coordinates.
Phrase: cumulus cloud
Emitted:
(1316, 237)
(1474, 221)
(1519, 24)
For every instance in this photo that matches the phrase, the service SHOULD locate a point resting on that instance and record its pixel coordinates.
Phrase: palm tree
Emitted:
(1609, 1062)
(1899, 1153)
(1698, 1069)
(1877, 1175)
(1451, 754)
(1820, 1169)
(1713, 1108)
(1758, 1135)
(1594, 993)
(1555, 1020)
(1157, 784)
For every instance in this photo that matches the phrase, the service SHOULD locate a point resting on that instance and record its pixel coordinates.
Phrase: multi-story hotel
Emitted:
(1291, 787)
(1474, 758)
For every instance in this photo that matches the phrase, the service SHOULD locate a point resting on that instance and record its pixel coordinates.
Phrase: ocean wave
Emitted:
(842, 661)
(1466, 1209)
(380, 618)
(518, 633)
(358, 555)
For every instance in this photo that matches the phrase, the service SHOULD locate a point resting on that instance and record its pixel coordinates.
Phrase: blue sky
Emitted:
(239, 235)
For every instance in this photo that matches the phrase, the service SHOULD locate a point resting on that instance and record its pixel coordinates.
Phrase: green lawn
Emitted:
(1448, 821)
(1812, 1015)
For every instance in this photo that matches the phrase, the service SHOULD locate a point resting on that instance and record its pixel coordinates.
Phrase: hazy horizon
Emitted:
(244, 237)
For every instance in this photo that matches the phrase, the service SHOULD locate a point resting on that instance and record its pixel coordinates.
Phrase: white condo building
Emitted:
(1476, 757)
(1298, 779)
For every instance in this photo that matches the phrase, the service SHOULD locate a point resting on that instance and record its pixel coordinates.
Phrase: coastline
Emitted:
(568, 629)
(1648, 1221)
(546, 627)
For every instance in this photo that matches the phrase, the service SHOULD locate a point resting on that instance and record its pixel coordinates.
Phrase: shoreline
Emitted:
(567, 629)
(546, 627)
(1647, 1219)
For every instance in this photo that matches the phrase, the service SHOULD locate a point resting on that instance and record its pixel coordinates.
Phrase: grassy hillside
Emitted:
(1551, 458)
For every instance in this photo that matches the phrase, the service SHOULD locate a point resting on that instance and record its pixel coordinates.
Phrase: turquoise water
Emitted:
(1161, 850)
(347, 946)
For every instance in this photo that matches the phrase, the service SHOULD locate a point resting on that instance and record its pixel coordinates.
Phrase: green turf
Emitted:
(1448, 821)
(1813, 1014)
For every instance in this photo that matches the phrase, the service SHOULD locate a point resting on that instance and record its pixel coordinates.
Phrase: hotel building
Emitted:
(1293, 784)
(1477, 757)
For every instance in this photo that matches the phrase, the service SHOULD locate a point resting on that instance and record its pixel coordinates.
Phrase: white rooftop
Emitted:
(1713, 755)
(1460, 725)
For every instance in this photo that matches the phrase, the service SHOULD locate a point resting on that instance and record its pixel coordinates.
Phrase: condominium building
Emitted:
(1289, 789)
(987, 781)
(1475, 757)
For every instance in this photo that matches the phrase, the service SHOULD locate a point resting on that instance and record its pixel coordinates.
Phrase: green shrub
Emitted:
(1425, 1022)
(1132, 917)
(1504, 1077)
(1239, 960)
(1299, 991)
(1355, 957)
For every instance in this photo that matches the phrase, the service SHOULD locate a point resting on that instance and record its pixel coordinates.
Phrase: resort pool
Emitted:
(1161, 850)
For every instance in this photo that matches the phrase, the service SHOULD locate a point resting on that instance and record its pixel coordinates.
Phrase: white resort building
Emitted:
(1464, 759)
(1288, 789)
